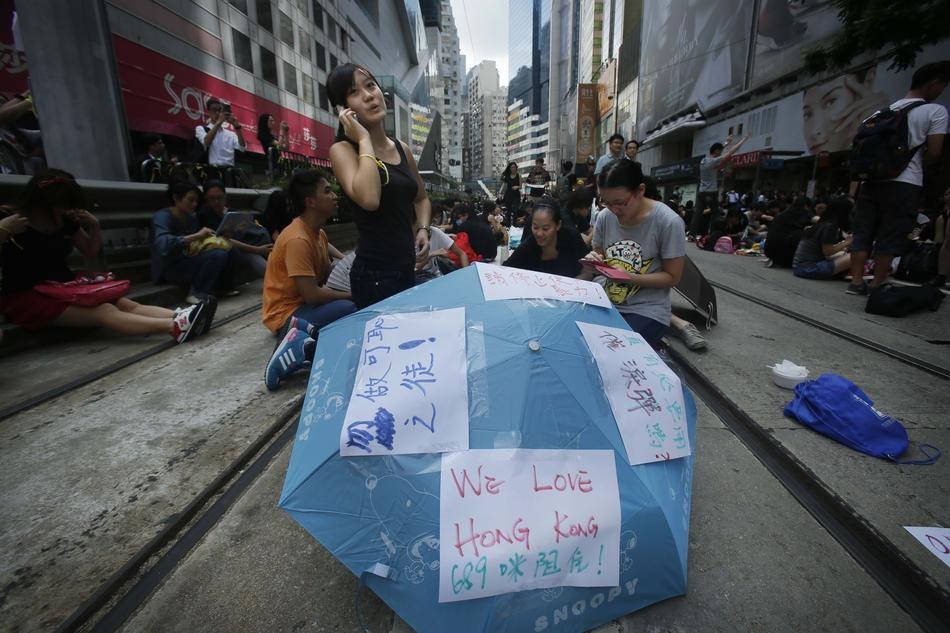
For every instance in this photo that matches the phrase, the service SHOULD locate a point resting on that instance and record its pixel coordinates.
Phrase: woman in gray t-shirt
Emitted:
(643, 238)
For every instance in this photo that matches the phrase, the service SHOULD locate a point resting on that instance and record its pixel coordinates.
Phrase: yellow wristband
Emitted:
(379, 164)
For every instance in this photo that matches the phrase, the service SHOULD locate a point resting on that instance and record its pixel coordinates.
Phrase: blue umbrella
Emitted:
(379, 515)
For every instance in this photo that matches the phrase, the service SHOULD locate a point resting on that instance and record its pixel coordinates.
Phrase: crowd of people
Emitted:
(857, 233)
(610, 226)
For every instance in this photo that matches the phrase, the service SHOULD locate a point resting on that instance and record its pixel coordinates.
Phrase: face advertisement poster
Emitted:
(823, 117)
(694, 52)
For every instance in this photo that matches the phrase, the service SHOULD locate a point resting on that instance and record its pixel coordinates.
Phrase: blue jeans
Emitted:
(646, 327)
(370, 286)
(325, 313)
(204, 272)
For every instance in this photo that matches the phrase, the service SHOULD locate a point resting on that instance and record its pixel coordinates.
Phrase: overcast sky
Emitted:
(487, 23)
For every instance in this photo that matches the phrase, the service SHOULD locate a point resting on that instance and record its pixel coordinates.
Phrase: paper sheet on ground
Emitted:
(936, 539)
(411, 389)
(646, 397)
(518, 519)
(501, 282)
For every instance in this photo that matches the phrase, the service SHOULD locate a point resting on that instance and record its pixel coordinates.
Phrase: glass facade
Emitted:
(529, 54)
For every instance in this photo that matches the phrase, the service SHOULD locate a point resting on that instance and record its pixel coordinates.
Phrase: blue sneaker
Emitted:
(290, 355)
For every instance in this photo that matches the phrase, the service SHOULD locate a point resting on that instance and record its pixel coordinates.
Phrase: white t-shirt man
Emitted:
(223, 145)
(922, 121)
(438, 241)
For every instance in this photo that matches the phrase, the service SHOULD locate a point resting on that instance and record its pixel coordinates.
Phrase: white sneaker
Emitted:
(192, 300)
(692, 338)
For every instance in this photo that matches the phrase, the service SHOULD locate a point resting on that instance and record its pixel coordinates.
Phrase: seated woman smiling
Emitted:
(550, 247)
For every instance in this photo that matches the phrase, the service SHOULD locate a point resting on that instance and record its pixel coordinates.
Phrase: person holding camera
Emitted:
(219, 141)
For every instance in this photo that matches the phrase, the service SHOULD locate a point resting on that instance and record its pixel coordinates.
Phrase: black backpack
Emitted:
(920, 263)
(880, 149)
(899, 301)
(197, 152)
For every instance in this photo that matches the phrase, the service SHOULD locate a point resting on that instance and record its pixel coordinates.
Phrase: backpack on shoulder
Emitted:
(880, 149)
(197, 152)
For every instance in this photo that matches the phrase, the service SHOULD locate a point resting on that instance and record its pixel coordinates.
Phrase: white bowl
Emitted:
(788, 380)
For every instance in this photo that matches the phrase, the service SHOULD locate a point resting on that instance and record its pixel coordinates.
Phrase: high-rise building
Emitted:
(451, 68)
(529, 57)
(487, 137)
(527, 136)
(590, 40)
(529, 52)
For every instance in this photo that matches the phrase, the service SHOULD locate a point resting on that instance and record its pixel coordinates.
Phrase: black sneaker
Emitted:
(211, 306)
(855, 289)
(188, 323)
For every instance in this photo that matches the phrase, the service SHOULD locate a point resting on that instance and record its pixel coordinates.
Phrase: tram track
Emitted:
(903, 357)
(130, 586)
(60, 390)
(925, 601)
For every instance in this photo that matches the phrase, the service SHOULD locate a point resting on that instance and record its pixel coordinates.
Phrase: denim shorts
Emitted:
(825, 269)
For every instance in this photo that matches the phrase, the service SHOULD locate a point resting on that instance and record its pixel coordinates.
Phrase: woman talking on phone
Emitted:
(383, 189)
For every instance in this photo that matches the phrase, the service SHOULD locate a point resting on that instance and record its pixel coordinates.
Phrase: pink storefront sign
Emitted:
(164, 96)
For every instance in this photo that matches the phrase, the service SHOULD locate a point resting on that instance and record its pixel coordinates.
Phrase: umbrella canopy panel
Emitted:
(532, 384)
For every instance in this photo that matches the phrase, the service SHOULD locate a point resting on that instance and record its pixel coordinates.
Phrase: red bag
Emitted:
(86, 291)
(461, 240)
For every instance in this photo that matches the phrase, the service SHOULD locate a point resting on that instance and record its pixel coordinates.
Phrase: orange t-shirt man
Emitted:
(298, 252)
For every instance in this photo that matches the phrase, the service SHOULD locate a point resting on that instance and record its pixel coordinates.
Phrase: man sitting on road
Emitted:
(296, 301)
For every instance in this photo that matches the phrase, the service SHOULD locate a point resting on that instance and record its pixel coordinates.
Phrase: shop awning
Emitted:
(686, 122)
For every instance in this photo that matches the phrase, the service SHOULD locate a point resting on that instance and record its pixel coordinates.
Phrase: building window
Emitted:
(304, 42)
(242, 50)
(264, 18)
(306, 87)
(344, 40)
(318, 15)
(268, 65)
(321, 56)
(290, 78)
(286, 29)
(322, 94)
(333, 63)
(302, 5)
(240, 5)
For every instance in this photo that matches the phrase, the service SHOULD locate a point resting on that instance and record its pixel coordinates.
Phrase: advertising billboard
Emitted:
(823, 117)
(693, 52)
(586, 131)
(784, 31)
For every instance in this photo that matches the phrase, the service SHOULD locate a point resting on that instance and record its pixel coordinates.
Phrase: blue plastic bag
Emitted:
(834, 406)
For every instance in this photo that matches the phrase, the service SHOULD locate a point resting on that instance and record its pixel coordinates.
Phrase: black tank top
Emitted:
(386, 240)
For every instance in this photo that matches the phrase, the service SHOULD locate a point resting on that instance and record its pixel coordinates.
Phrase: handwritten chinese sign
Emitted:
(935, 539)
(646, 397)
(411, 389)
(517, 519)
(499, 282)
